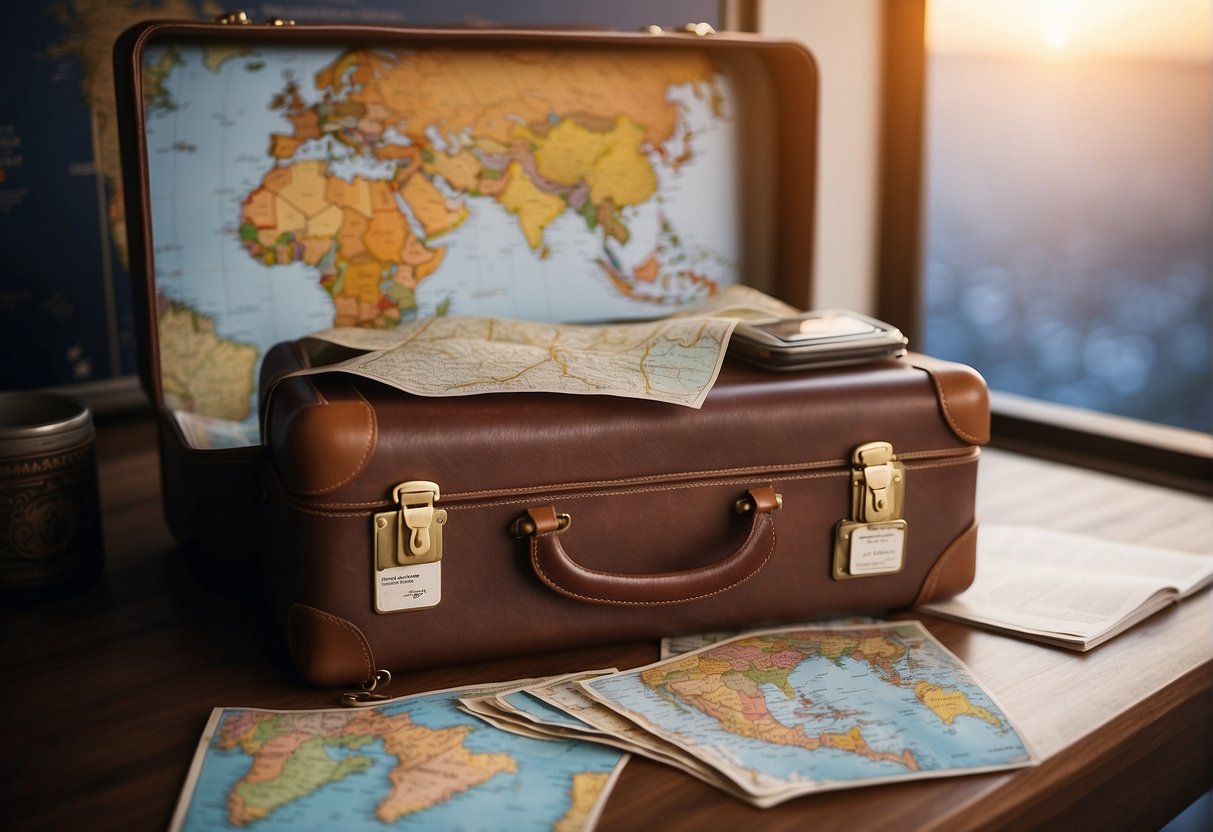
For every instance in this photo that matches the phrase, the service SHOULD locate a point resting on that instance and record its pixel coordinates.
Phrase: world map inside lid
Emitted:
(299, 188)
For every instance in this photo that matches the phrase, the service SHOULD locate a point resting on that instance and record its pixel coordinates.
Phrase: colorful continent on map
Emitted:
(290, 760)
(724, 683)
(200, 371)
(585, 793)
(538, 132)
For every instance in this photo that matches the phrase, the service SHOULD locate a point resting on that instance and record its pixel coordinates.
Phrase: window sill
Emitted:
(1158, 454)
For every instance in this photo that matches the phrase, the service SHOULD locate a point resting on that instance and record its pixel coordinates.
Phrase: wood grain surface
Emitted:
(105, 692)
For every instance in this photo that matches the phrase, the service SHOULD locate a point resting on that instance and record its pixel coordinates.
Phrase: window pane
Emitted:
(1070, 201)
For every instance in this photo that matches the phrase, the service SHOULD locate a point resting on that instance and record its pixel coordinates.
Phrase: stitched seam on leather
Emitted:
(359, 638)
(580, 495)
(715, 472)
(685, 477)
(904, 455)
(682, 476)
(551, 583)
(336, 508)
(928, 589)
(655, 489)
(947, 412)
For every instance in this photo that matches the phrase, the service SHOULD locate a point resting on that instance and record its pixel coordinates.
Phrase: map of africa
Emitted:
(297, 189)
(412, 763)
(787, 712)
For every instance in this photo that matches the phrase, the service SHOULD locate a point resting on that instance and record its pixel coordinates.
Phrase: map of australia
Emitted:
(296, 189)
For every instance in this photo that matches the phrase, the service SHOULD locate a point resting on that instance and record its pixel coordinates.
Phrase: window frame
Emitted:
(1159, 454)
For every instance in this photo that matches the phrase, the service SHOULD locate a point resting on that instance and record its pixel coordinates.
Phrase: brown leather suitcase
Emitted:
(550, 521)
(396, 531)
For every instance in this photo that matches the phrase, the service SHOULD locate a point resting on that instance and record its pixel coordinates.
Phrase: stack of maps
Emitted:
(764, 716)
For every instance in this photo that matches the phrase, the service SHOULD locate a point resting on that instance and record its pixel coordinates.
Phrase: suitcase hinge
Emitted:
(699, 30)
(411, 534)
(872, 541)
(241, 18)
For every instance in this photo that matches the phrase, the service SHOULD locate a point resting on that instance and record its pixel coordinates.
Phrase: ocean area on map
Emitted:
(912, 719)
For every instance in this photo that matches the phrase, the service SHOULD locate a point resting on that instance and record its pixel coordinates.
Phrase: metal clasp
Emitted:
(878, 483)
(872, 541)
(418, 517)
(365, 696)
(411, 534)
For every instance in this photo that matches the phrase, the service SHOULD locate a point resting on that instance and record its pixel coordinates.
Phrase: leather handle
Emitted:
(556, 568)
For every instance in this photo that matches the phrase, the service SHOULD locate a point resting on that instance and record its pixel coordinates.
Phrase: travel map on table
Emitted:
(788, 712)
(418, 762)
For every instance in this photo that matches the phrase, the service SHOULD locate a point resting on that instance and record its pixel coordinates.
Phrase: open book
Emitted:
(1070, 590)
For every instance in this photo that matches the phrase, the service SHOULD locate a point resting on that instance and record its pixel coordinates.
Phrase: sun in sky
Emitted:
(1057, 37)
(1152, 29)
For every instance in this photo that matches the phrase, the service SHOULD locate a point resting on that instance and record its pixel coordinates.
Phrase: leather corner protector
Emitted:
(326, 446)
(327, 650)
(963, 397)
(954, 571)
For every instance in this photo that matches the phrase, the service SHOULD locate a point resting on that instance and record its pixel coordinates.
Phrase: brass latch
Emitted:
(878, 483)
(412, 533)
(872, 541)
(407, 573)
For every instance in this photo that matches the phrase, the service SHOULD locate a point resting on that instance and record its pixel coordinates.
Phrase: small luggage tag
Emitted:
(407, 563)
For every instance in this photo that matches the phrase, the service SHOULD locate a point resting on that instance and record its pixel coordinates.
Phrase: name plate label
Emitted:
(416, 587)
(878, 549)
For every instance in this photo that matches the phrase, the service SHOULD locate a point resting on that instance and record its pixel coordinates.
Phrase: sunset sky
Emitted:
(1152, 29)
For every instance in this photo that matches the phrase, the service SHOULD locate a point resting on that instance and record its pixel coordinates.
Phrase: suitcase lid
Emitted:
(284, 179)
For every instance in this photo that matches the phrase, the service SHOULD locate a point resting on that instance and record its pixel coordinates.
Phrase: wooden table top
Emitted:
(105, 693)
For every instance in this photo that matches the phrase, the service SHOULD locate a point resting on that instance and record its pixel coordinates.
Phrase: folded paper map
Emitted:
(677, 645)
(674, 360)
(418, 762)
(783, 713)
(558, 708)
